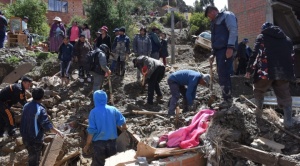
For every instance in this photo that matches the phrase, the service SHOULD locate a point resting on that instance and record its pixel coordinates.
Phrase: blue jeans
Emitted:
(103, 150)
(2, 38)
(224, 67)
(34, 152)
(176, 90)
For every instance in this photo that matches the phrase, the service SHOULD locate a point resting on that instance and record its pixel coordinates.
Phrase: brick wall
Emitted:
(75, 7)
(5, 1)
(251, 14)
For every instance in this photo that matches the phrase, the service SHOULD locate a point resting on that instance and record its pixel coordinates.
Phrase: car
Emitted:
(203, 39)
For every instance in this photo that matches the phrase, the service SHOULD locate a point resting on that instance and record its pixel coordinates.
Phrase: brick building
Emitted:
(64, 9)
(251, 14)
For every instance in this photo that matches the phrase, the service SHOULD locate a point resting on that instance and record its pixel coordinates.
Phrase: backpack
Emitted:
(93, 60)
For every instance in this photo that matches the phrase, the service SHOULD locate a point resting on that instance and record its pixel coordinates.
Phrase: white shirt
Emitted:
(24, 25)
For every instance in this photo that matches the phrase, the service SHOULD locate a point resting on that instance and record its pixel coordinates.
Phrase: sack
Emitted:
(93, 60)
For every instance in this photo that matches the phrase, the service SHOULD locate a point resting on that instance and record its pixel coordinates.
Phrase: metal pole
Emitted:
(172, 38)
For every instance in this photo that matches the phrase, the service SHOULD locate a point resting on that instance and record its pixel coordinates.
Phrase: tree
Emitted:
(201, 5)
(35, 10)
(106, 12)
(199, 23)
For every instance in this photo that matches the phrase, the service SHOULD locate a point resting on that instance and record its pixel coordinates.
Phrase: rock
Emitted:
(21, 157)
(9, 147)
(19, 141)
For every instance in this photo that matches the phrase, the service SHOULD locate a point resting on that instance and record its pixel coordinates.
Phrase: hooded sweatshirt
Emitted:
(273, 56)
(104, 119)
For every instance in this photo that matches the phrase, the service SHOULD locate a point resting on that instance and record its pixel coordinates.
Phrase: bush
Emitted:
(13, 60)
(198, 23)
(177, 17)
(34, 9)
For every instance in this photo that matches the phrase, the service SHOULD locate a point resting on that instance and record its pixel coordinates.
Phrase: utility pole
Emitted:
(172, 38)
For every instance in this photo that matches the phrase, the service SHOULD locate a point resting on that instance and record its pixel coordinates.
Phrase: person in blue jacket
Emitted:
(65, 55)
(34, 124)
(224, 35)
(177, 82)
(102, 129)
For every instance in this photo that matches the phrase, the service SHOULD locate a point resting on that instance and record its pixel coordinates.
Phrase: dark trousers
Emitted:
(281, 90)
(2, 38)
(242, 66)
(34, 152)
(103, 150)
(153, 83)
(176, 90)
(64, 69)
(224, 68)
(7, 119)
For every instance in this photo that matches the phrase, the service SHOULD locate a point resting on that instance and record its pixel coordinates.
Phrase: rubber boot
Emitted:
(288, 121)
(259, 109)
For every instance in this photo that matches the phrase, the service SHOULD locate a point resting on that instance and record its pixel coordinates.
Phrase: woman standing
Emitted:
(86, 32)
(57, 33)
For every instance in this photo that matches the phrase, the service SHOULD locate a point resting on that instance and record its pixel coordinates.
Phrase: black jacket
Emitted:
(106, 40)
(13, 94)
(241, 53)
(274, 53)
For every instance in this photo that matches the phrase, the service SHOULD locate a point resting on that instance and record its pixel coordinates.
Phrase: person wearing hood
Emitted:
(272, 64)
(102, 130)
(242, 57)
(178, 81)
(80, 51)
(141, 46)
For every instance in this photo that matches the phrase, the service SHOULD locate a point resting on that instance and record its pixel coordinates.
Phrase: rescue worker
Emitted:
(272, 63)
(102, 129)
(224, 35)
(9, 96)
(177, 82)
(153, 71)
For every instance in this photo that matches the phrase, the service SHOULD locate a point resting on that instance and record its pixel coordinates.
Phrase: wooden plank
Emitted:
(53, 151)
(16, 74)
(258, 156)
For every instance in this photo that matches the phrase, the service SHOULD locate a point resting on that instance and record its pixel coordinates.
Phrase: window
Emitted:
(58, 6)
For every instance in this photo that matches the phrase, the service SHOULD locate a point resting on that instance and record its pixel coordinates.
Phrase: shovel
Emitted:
(110, 91)
(212, 95)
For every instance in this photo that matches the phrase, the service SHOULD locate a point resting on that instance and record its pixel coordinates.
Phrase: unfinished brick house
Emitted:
(64, 9)
(251, 14)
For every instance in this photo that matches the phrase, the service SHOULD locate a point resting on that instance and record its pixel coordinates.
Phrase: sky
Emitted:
(218, 3)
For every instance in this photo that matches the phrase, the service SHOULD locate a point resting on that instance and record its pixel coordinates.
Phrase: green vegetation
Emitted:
(198, 23)
(35, 10)
(13, 60)
(77, 19)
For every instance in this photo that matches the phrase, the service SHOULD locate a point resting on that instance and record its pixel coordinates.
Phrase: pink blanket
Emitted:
(188, 137)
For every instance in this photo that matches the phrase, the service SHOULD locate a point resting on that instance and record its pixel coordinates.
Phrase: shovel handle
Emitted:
(110, 91)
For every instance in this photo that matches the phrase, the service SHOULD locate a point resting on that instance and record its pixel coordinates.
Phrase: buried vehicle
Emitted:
(203, 39)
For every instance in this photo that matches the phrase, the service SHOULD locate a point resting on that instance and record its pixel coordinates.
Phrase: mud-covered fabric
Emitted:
(121, 47)
(34, 152)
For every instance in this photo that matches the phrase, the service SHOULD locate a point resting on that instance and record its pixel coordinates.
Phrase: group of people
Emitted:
(271, 65)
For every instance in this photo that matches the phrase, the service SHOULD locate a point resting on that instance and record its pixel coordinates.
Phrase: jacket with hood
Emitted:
(142, 45)
(104, 119)
(224, 31)
(147, 62)
(81, 50)
(272, 57)
(187, 78)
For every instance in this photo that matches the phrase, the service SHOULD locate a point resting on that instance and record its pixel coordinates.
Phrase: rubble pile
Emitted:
(239, 126)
